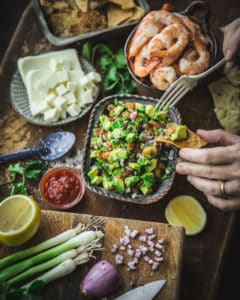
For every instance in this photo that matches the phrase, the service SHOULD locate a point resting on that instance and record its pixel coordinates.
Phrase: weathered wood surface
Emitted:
(204, 253)
(54, 223)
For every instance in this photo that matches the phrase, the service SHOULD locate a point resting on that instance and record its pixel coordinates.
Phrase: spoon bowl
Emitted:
(52, 147)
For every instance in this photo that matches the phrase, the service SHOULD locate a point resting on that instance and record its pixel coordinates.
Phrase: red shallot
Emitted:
(101, 280)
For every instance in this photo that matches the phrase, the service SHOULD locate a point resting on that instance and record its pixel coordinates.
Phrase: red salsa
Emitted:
(61, 186)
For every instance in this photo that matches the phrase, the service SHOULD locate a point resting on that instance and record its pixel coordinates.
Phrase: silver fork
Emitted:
(183, 85)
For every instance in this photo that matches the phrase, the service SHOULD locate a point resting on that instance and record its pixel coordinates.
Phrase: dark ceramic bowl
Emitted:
(199, 12)
(99, 108)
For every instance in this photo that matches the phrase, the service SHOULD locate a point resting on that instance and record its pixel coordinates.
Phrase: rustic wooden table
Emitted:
(204, 253)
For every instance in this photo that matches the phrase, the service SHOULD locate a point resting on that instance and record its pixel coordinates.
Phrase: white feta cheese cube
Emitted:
(84, 80)
(92, 86)
(62, 76)
(51, 81)
(52, 115)
(53, 64)
(61, 90)
(64, 114)
(73, 110)
(49, 98)
(60, 103)
(70, 97)
(71, 86)
(41, 107)
(85, 98)
(94, 76)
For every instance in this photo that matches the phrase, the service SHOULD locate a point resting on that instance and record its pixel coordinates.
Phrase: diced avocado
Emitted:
(117, 124)
(118, 184)
(150, 110)
(131, 137)
(118, 109)
(118, 154)
(159, 115)
(105, 122)
(94, 153)
(96, 141)
(131, 180)
(113, 165)
(93, 172)
(140, 107)
(134, 166)
(180, 133)
(149, 150)
(117, 171)
(118, 133)
(125, 115)
(142, 136)
(148, 179)
(107, 183)
(96, 180)
(145, 190)
(143, 161)
(152, 165)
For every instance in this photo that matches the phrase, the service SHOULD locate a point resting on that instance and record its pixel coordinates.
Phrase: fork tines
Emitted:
(175, 92)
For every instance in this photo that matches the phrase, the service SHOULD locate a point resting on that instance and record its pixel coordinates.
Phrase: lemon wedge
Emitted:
(186, 211)
(20, 218)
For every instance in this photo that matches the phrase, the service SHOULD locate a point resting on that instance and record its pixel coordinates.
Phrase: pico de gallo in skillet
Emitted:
(124, 154)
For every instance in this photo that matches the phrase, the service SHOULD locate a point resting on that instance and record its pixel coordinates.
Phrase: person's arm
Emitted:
(231, 42)
(215, 171)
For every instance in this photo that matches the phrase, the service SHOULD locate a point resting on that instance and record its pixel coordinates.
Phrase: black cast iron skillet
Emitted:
(199, 12)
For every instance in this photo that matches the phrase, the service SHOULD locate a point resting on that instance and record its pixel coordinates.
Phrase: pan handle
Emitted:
(199, 10)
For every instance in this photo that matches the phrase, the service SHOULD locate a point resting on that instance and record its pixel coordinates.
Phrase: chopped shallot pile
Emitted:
(151, 249)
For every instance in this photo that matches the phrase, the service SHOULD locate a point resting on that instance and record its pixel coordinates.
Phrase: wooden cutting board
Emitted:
(54, 222)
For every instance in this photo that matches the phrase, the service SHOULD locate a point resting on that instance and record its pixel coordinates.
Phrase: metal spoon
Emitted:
(53, 146)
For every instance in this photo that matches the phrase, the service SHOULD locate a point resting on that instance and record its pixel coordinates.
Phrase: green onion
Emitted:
(43, 267)
(84, 240)
(59, 239)
(65, 268)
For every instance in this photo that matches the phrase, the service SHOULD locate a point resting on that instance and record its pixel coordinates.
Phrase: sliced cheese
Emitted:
(63, 58)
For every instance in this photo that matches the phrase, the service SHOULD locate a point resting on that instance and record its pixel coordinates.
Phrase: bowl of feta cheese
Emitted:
(54, 88)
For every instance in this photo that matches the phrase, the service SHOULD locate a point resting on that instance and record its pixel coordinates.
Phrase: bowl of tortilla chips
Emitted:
(67, 21)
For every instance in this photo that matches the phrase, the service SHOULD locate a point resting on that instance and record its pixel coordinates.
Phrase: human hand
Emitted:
(231, 42)
(215, 171)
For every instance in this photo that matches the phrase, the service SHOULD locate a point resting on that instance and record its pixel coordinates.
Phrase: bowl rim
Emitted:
(156, 196)
(73, 203)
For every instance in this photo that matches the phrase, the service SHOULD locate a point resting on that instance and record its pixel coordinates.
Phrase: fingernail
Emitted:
(228, 55)
(179, 167)
(189, 178)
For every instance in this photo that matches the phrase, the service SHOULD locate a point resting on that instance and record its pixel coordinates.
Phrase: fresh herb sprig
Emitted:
(19, 175)
(113, 65)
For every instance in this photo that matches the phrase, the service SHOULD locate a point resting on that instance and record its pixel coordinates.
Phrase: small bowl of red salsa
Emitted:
(62, 187)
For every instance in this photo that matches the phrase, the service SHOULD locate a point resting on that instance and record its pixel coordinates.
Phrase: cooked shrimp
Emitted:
(163, 77)
(170, 42)
(150, 25)
(142, 65)
(196, 60)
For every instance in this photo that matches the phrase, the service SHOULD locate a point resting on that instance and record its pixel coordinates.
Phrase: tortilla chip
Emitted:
(233, 75)
(97, 3)
(125, 4)
(116, 15)
(193, 141)
(138, 13)
(82, 5)
(226, 98)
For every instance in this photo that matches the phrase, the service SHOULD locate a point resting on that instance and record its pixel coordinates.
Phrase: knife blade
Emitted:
(144, 292)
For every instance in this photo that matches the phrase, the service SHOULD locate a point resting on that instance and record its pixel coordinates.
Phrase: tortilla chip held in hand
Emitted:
(181, 137)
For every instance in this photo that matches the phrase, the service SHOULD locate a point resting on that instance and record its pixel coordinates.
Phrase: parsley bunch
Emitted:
(116, 76)
(19, 175)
